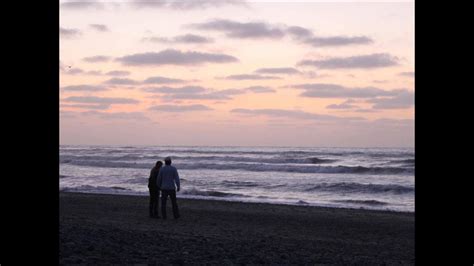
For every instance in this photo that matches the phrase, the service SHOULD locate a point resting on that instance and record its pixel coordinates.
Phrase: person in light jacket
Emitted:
(168, 182)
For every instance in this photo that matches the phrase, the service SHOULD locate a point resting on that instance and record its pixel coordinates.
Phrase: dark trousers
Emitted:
(154, 196)
(164, 197)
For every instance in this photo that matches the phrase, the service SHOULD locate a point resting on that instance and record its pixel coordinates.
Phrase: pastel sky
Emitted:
(235, 73)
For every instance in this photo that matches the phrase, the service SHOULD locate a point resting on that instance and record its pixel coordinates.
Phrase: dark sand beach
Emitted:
(111, 229)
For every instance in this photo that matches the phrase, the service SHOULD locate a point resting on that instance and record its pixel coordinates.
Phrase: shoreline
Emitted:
(105, 228)
(210, 198)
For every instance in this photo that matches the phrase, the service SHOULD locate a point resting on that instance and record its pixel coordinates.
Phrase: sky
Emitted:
(237, 73)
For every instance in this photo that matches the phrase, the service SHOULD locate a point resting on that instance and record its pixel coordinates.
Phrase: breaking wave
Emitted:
(360, 188)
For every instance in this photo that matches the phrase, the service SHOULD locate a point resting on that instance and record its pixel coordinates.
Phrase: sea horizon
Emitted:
(246, 146)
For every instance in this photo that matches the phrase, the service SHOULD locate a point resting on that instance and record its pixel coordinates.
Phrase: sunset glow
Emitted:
(237, 73)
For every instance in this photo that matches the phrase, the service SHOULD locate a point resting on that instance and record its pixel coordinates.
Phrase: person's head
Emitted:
(159, 164)
(168, 160)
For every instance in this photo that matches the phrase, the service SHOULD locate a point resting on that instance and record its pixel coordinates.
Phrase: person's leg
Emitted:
(164, 196)
(175, 204)
(152, 195)
(156, 204)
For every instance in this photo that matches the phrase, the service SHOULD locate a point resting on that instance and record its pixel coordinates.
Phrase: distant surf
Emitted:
(375, 178)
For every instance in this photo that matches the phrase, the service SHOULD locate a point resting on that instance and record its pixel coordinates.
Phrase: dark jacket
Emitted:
(153, 176)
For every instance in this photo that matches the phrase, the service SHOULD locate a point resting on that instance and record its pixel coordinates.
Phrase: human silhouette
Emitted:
(168, 182)
(154, 190)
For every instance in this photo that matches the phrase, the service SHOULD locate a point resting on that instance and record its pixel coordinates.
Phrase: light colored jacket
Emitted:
(168, 178)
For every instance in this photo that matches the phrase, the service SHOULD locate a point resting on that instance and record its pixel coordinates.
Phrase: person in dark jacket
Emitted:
(154, 190)
(168, 182)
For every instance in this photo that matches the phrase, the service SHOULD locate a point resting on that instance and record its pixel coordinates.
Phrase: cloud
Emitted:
(69, 33)
(197, 96)
(292, 114)
(299, 32)
(73, 71)
(409, 74)
(186, 5)
(343, 106)
(312, 75)
(180, 90)
(67, 114)
(162, 80)
(94, 72)
(156, 39)
(191, 38)
(117, 73)
(100, 100)
(258, 30)
(278, 70)
(361, 110)
(306, 36)
(197, 92)
(87, 106)
(84, 88)
(250, 77)
(118, 115)
(337, 41)
(179, 108)
(259, 89)
(228, 92)
(150, 80)
(395, 122)
(404, 99)
(99, 27)
(149, 3)
(362, 61)
(187, 38)
(79, 5)
(234, 29)
(62, 67)
(324, 90)
(96, 59)
(175, 57)
(394, 99)
(200, 4)
(121, 81)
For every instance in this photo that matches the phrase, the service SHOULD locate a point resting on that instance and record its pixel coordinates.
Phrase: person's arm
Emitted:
(159, 179)
(176, 178)
(150, 179)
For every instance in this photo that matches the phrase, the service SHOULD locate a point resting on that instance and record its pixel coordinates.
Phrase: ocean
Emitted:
(370, 178)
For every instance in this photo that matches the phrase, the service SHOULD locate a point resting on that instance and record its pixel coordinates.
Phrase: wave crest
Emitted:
(260, 167)
(361, 188)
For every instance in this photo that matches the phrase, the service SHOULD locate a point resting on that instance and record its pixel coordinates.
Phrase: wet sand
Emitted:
(112, 229)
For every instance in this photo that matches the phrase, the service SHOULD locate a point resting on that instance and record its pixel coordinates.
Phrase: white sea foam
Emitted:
(337, 177)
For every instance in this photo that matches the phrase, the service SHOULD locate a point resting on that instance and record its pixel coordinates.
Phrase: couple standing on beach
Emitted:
(166, 180)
